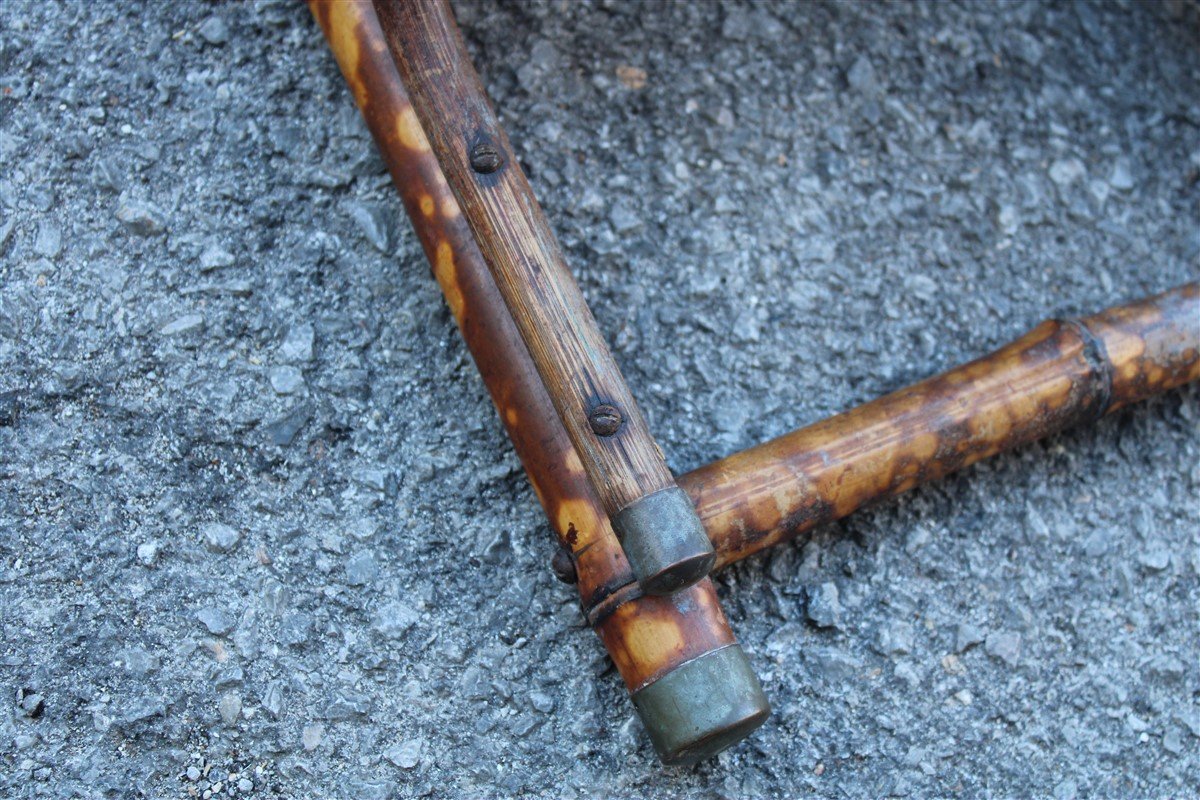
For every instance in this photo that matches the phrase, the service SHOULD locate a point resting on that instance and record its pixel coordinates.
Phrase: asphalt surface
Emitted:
(261, 534)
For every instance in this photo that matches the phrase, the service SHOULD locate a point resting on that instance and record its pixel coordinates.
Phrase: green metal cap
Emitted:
(702, 707)
(664, 541)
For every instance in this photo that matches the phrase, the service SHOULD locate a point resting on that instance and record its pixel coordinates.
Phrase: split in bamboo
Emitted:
(654, 521)
(689, 679)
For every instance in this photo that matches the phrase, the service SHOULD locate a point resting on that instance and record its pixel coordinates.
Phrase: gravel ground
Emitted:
(261, 534)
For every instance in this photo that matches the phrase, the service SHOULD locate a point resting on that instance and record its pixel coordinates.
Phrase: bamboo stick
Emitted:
(1143, 349)
(1061, 373)
(653, 519)
(666, 649)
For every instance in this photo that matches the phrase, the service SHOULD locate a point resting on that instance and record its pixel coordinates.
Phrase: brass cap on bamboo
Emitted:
(703, 706)
(664, 541)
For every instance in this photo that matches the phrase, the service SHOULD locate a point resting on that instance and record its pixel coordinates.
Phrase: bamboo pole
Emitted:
(688, 677)
(654, 521)
(1062, 373)
(1124, 354)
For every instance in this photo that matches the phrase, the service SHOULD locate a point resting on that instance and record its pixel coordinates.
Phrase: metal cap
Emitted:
(702, 707)
(664, 541)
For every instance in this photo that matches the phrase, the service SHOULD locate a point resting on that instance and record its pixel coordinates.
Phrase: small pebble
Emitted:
(216, 620)
(49, 240)
(220, 538)
(1004, 646)
(140, 219)
(297, 346)
(181, 325)
(861, 76)
(361, 569)
(1067, 171)
(1121, 177)
(214, 31)
(147, 553)
(310, 737)
(405, 755)
(623, 218)
(215, 257)
(286, 379)
(1156, 557)
(33, 704)
(372, 220)
(542, 702)
(230, 707)
(895, 638)
(966, 636)
(824, 607)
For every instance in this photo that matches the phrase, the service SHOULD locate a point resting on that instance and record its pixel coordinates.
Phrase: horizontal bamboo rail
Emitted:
(1062, 373)
(655, 523)
(658, 644)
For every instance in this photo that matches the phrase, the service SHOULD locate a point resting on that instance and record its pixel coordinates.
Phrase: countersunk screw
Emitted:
(605, 420)
(563, 566)
(486, 158)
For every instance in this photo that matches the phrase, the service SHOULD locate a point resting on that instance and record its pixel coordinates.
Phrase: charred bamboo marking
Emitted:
(409, 131)
(1153, 344)
(341, 22)
(602, 606)
(658, 633)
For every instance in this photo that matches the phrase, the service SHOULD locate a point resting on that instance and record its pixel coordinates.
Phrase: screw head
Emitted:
(605, 420)
(563, 566)
(486, 158)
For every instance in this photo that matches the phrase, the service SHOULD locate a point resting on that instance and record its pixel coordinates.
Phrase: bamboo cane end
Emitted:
(703, 706)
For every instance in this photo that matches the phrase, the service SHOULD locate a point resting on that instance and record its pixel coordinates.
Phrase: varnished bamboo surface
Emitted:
(1062, 373)
(525, 259)
(647, 637)
(783, 488)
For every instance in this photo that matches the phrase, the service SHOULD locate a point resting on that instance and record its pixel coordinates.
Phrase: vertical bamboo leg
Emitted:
(654, 520)
(689, 678)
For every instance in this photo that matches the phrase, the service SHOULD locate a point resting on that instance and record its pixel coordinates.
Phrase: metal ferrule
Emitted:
(664, 541)
(702, 706)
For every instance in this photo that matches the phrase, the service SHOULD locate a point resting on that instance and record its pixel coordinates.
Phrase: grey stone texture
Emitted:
(262, 535)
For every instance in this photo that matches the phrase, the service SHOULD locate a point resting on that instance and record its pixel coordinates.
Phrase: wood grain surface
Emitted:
(524, 257)
(647, 637)
(1062, 373)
